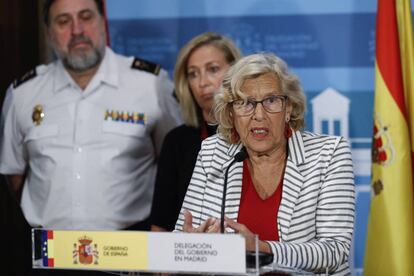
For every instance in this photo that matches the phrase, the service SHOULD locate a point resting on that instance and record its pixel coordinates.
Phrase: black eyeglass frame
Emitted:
(255, 103)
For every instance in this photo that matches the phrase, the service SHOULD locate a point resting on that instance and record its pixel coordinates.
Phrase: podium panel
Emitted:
(135, 251)
(139, 251)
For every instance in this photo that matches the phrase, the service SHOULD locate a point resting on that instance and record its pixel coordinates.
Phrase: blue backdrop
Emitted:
(329, 44)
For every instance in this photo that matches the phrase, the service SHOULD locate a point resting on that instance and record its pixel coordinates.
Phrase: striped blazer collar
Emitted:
(234, 184)
(292, 183)
(296, 148)
(234, 149)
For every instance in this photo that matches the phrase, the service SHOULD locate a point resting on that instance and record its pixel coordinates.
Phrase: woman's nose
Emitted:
(258, 112)
(204, 80)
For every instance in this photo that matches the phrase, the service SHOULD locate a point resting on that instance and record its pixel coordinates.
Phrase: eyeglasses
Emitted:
(272, 104)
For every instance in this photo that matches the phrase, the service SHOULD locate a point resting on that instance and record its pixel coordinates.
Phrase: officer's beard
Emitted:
(81, 60)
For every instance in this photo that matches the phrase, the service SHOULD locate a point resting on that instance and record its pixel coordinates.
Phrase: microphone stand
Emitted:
(264, 258)
(239, 157)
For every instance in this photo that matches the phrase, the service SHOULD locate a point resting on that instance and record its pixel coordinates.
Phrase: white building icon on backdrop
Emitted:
(331, 113)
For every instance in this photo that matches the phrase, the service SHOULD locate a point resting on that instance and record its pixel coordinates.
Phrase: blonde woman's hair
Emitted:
(190, 110)
(251, 67)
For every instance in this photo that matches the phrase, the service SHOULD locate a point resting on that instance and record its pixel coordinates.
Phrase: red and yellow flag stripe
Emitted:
(407, 62)
(390, 240)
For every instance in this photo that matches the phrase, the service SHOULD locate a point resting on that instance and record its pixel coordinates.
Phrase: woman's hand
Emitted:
(211, 225)
(248, 235)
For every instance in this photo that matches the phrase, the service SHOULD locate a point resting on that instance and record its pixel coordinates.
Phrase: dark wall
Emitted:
(19, 52)
(19, 39)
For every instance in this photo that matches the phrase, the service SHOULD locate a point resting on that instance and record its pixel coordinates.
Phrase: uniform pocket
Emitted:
(121, 128)
(41, 132)
(41, 147)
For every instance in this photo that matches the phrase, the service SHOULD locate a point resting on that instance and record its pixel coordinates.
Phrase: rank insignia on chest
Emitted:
(37, 115)
(126, 117)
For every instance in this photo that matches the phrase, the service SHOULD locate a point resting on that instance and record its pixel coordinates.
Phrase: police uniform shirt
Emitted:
(90, 155)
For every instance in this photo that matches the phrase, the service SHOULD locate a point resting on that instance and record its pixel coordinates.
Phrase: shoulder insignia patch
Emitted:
(147, 66)
(29, 75)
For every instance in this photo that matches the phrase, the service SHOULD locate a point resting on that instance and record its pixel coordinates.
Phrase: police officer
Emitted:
(80, 136)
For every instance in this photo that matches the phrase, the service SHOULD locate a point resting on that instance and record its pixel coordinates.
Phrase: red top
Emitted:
(258, 215)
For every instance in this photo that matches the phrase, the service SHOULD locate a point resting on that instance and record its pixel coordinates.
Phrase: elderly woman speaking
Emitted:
(295, 189)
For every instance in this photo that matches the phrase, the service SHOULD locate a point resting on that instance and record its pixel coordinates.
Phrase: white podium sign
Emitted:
(184, 252)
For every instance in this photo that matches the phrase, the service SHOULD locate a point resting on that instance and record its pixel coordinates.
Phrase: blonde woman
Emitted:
(199, 70)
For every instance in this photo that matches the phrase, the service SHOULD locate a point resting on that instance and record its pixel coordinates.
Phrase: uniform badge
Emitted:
(38, 114)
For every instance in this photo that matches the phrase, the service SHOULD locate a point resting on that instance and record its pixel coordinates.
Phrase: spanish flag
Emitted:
(390, 237)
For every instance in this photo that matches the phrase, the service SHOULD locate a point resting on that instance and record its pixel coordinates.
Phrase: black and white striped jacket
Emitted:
(316, 214)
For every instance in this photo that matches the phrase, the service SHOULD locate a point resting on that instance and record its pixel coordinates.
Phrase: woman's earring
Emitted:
(287, 119)
(288, 131)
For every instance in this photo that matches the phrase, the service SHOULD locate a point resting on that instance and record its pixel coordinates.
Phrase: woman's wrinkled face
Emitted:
(262, 132)
(205, 70)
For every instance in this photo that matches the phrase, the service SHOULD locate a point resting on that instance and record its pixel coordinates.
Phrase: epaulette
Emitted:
(147, 66)
(29, 75)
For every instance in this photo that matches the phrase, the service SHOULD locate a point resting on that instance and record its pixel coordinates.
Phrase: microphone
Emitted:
(239, 157)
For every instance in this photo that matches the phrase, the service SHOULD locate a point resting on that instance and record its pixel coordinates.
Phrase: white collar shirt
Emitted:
(90, 163)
